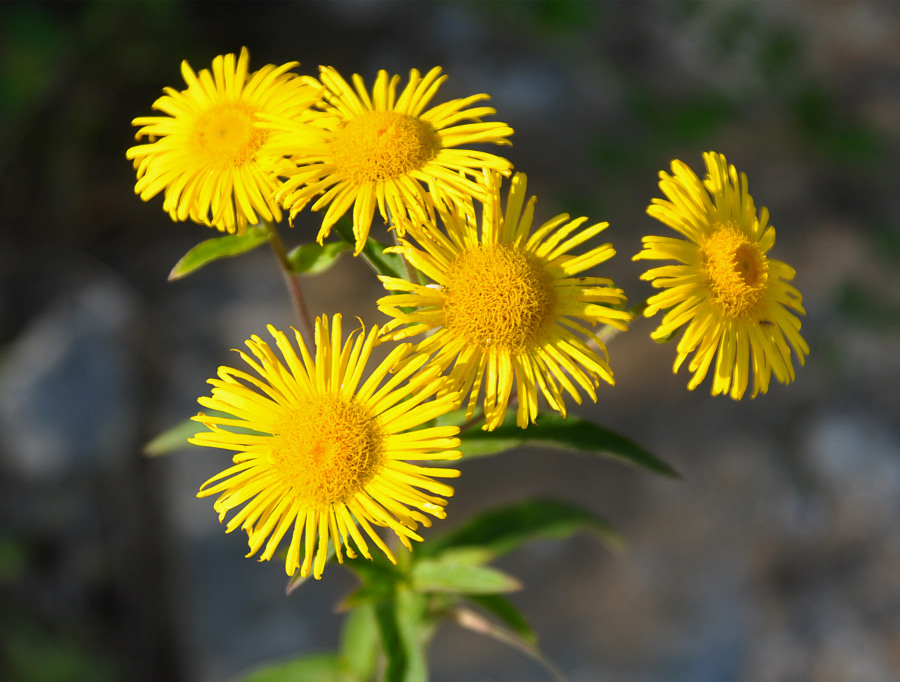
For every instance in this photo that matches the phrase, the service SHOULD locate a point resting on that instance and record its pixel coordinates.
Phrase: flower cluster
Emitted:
(505, 314)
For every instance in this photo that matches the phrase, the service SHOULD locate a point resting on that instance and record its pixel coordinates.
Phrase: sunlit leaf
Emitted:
(400, 627)
(453, 418)
(477, 443)
(410, 612)
(219, 247)
(315, 668)
(503, 530)
(173, 439)
(556, 431)
(388, 264)
(449, 576)
(466, 556)
(314, 258)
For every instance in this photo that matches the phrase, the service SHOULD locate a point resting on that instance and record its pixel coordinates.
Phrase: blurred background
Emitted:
(776, 558)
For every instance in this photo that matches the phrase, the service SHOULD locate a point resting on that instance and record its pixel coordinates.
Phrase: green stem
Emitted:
(609, 332)
(293, 284)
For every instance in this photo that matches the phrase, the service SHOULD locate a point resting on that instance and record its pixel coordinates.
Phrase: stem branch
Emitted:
(293, 284)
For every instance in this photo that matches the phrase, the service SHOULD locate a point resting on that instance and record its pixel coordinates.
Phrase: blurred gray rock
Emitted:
(66, 387)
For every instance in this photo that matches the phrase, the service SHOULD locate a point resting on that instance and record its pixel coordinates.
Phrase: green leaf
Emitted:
(410, 625)
(378, 577)
(315, 668)
(173, 439)
(566, 432)
(359, 644)
(368, 593)
(176, 437)
(311, 259)
(388, 264)
(220, 247)
(503, 530)
(444, 575)
(474, 442)
(377, 569)
(400, 624)
(467, 556)
(502, 608)
(454, 418)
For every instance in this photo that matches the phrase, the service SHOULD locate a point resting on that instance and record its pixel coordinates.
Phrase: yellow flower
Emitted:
(384, 150)
(507, 308)
(206, 153)
(320, 457)
(732, 300)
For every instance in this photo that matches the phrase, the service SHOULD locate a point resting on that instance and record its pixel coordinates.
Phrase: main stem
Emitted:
(293, 284)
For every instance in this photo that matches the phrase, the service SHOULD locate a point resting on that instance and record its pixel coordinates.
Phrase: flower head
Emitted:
(207, 154)
(507, 307)
(386, 151)
(733, 301)
(321, 453)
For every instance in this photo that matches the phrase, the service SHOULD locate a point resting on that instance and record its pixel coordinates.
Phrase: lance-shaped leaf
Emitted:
(502, 608)
(359, 645)
(173, 439)
(219, 247)
(311, 259)
(478, 623)
(315, 668)
(401, 626)
(388, 264)
(378, 579)
(570, 433)
(446, 575)
(453, 418)
(503, 530)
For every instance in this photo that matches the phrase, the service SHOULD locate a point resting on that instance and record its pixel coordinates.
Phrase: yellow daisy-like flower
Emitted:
(507, 308)
(325, 456)
(734, 302)
(385, 150)
(207, 154)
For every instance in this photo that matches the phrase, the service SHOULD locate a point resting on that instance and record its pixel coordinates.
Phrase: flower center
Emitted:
(225, 136)
(737, 270)
(380, 145)
(327, 449)
(498, 297)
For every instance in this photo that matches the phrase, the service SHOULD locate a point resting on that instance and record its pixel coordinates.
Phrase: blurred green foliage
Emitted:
(31, 40)
(33, 649)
